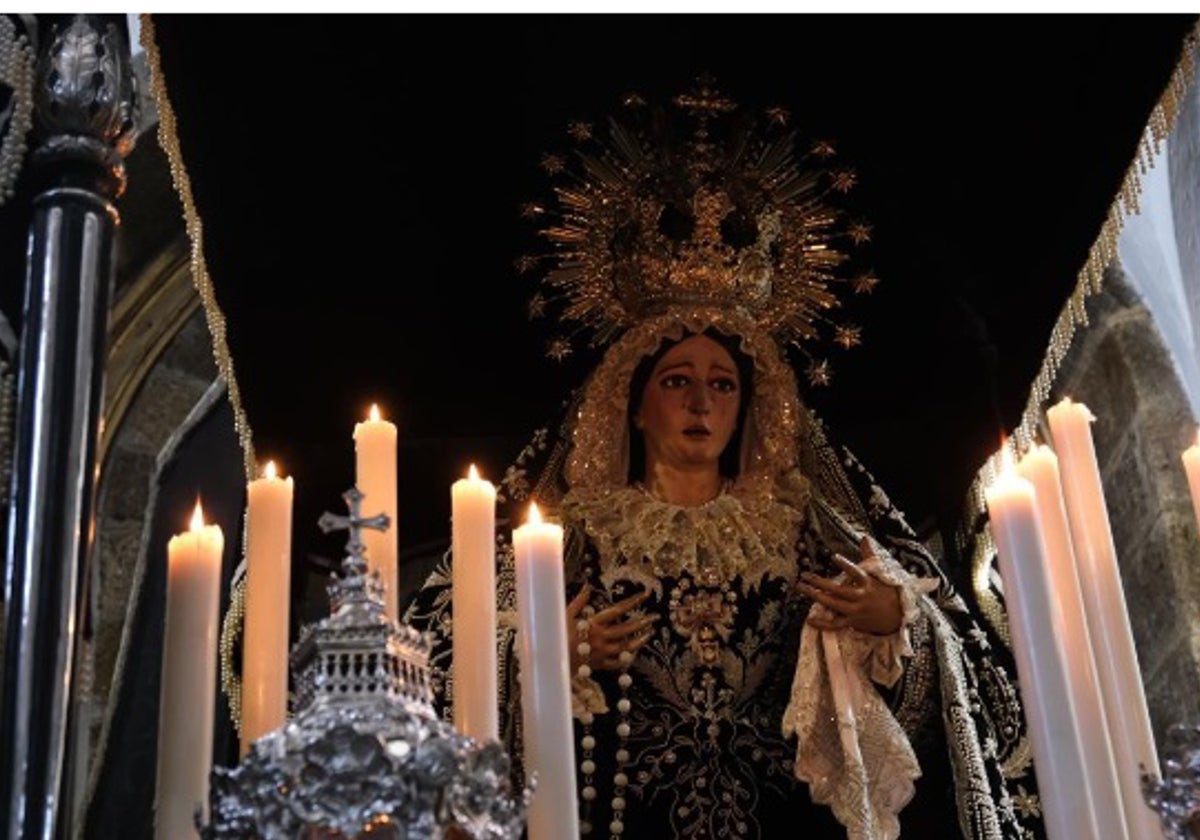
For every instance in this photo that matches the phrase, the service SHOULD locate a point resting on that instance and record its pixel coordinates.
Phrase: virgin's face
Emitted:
(689, 407)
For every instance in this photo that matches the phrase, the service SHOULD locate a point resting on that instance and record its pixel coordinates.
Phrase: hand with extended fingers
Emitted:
(859, 600)
(609, 633)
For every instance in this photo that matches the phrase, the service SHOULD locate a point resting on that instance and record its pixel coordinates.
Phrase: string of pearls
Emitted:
(620, 780)
(587, 744)
(587, 765)
(16, 72)
(231, 636)
(168, 140)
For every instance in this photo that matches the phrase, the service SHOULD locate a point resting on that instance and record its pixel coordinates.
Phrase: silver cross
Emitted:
(354, 523)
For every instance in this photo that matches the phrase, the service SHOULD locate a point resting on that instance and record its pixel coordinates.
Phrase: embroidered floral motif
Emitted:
(716, 670)
(704, 617)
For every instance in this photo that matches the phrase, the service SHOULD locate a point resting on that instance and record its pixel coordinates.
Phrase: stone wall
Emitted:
(1121, 370)
(159, 367)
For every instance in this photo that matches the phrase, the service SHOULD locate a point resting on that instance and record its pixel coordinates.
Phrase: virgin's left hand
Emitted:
(860, 601)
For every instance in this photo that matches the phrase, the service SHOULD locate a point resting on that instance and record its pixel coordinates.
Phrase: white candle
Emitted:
(473, 547)
(268, 590)
(375, 458)
(189, 678)
(1040, 468)
(1038, 629)
(545, 682)
(1191, 465)
(1107, 617)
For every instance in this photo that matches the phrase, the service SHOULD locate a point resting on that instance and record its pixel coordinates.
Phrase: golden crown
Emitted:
(697, 204)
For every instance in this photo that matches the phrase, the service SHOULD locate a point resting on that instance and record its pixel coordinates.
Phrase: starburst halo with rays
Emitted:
(697, 202)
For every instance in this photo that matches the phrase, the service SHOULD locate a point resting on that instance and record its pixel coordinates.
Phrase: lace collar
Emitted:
(739, 534)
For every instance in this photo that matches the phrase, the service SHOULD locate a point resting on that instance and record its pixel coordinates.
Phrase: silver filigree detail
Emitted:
(1176, 796)
(87, 97)
(366, 753)
(87, 84)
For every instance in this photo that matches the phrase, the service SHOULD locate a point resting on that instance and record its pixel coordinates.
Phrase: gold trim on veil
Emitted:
(780, 433)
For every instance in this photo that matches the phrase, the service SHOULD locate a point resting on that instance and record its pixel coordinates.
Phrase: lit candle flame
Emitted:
(373, 414)
(535, 517)
(473, 473)
(197, 517)
(269, 472)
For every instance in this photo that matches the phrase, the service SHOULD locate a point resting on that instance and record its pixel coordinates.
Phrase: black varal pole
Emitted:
(85, 118)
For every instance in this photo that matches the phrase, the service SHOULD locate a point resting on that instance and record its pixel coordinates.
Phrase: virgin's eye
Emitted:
(674, 380)
(724, 385)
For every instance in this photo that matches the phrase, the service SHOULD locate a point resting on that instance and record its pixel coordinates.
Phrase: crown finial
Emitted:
(704, 100)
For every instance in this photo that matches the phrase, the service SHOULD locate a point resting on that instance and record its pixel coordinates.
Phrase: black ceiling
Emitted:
(359, 179)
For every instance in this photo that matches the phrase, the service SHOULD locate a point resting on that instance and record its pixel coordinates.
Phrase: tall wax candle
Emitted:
(268, 587)
(189, 678)
(1038, 629)
(473, 578)
(1107, 617)
(375, 472)
(1191, 465)
(1040, 468)
(545, 682)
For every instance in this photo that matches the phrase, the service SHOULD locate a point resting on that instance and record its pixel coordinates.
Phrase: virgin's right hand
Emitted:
(609, 632)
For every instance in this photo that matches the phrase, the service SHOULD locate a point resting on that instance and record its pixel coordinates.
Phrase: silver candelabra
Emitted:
(365, 755)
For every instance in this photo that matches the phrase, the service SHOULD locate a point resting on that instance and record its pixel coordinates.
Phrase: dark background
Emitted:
(359, 179)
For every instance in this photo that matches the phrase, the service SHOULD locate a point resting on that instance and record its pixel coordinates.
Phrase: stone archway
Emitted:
(1121, 369)
(160, 375)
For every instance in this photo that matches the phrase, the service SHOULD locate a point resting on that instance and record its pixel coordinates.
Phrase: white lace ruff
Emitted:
(642, 539)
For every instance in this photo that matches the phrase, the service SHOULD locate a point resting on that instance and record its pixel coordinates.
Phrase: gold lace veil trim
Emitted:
(780, 434)
(600, 458)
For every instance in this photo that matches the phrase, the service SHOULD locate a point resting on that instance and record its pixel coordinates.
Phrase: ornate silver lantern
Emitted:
(365, 755)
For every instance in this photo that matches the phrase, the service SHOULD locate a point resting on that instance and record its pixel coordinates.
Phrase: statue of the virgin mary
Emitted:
(736, 686)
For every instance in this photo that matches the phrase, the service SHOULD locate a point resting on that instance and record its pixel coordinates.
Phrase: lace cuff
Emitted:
(882, 657)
